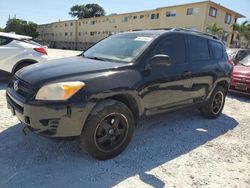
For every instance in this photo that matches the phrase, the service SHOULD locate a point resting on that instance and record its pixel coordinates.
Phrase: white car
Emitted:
(18, 51)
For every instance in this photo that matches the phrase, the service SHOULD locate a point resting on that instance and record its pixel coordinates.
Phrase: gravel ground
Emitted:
(179, 149)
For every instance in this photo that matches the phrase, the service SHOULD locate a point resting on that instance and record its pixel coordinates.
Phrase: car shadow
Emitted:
(34, 161)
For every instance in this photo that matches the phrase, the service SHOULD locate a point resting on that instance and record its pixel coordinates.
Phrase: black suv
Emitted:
(100, 94)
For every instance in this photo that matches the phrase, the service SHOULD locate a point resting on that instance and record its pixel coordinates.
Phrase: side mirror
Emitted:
(160, 60)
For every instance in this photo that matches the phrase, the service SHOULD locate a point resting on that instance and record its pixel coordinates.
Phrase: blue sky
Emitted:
(52, 10)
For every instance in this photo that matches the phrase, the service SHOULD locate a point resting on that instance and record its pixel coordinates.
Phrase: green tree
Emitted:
(21, 27)
(1, 29)
(215, 29)
(87, 11)
(242, 31)
(247, 35)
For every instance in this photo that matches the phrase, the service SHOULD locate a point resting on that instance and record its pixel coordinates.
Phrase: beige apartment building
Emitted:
(79, 34)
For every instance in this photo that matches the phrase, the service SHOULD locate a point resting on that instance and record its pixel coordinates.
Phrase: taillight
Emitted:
(41, 50)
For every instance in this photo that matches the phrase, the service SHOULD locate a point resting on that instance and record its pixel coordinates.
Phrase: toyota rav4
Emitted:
(100, 94)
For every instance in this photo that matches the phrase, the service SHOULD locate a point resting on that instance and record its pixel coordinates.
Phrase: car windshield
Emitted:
(121, 48)
(246, 61)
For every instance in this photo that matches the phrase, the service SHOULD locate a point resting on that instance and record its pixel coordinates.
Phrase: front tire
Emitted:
(108, 130)
(214, 106)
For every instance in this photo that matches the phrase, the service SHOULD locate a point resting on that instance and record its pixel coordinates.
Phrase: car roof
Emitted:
(15, 36)
(158, 32)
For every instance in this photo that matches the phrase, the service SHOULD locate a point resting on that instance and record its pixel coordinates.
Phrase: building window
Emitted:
(192, 11)
(79, 33)
(66, 34)
(155, 16)
(66, 25)
(170, 13)
(212, 11)
(112, 20)
(141, 16)
(228, 18)
(71, 24)
(135, 17)
(71, 33)
(125, 19)
(79, 23)
(92, 33)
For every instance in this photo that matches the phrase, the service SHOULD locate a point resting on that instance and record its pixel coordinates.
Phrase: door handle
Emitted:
(187, 74)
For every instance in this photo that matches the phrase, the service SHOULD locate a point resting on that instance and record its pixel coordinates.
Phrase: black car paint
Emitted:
(150, 89)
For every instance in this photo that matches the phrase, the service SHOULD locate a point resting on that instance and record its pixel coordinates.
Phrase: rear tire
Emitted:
(108, 130)
(20, 66)
(214, 106)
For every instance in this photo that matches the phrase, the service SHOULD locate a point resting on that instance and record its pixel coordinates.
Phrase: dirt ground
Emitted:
(178, 149)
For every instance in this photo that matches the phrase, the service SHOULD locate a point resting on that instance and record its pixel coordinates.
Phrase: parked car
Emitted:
(240, 81)
(237, 54)
(101, 94)
(18, 51)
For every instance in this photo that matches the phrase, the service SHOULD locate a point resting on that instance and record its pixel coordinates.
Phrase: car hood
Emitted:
(240, 69)
(64, 68)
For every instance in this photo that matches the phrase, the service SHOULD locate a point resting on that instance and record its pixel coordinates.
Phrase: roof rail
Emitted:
(153, 29)
(196, 32)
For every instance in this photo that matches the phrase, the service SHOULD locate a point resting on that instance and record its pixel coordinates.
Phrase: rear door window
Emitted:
(198, 48)
(217, 49)
(174, 47)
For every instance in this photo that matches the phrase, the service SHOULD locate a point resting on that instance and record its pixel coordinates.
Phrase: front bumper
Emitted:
(50, 120)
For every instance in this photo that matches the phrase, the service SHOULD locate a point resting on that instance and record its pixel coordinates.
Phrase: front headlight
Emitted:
(59, 91)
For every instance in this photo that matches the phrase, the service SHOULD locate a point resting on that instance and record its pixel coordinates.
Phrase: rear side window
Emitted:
(174, 47)
(217, 49)
(198, 48)
(4, 40)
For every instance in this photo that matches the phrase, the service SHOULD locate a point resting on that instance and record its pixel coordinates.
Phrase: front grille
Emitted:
(24, 89)
(15, 105)
(241, 79)
(243, 91)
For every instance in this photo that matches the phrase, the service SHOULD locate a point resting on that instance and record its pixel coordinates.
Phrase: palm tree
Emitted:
(215, 30)
(246, 34)
(242, 30)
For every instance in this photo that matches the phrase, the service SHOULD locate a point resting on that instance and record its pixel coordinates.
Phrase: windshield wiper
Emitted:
(242, 64)
(95, 58)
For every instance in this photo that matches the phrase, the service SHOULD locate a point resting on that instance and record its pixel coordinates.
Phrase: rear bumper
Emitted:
(57, 120)
(239, 92)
